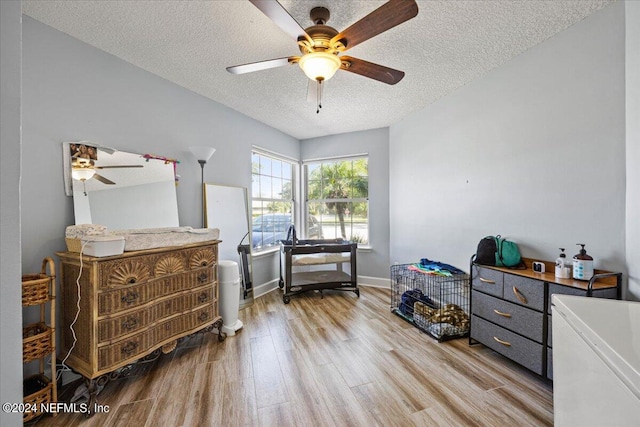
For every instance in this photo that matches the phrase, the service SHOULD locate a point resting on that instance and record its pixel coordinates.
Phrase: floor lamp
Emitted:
(202, 154)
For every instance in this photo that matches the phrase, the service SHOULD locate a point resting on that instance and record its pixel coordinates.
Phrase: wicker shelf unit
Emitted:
(39, 339)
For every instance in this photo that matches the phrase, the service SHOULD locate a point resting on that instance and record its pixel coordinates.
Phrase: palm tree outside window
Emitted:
(337, 193)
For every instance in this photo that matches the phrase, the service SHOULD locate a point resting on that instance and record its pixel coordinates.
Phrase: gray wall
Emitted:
(375, 142)
(538, 142)
(10, 270)
(534, 150)
(72, 91)
(632, 27)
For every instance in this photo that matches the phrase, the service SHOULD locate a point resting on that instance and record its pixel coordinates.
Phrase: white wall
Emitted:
(632, 50)
(534, 150)
(375, 142)
(10, 282)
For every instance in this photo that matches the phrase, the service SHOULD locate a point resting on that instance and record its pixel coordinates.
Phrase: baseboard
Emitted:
(265, 288)
(374, 282)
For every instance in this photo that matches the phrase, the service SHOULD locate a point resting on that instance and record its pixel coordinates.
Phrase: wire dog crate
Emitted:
(436, 304)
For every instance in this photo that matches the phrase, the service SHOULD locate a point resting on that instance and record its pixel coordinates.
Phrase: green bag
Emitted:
(507, 253)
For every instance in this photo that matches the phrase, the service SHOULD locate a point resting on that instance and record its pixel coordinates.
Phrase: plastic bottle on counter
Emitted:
(582, 264)
(563, 266)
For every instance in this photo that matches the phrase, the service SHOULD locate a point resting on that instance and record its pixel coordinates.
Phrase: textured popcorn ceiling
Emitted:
(448, 44)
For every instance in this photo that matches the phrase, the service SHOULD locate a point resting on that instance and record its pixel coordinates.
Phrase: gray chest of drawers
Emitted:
(511, 310)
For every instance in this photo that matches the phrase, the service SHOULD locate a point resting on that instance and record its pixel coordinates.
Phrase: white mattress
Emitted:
(320, 258)
(149, 238)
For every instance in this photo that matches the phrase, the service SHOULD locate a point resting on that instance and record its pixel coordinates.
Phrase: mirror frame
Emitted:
(222, 206)
(147, 192)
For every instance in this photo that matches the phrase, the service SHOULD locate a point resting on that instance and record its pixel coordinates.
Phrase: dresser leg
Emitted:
(92, 389)
(218, 325)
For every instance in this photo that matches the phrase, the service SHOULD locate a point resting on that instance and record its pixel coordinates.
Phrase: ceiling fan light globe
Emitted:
(319, 65)
(82, 174)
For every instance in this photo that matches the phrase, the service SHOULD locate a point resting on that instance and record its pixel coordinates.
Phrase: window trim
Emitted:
(295, 173)
(304, 178)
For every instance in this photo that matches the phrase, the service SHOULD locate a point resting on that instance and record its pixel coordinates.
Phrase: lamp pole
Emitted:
(202, 163)
(202, 154)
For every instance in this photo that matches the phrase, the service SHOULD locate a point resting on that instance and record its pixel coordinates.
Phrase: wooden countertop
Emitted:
(549, 275)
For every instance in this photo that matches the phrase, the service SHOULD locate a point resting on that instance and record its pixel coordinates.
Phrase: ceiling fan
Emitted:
(321, 45)
(83, 169)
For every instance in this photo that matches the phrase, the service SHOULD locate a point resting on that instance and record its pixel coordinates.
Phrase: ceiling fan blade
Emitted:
(103, 180)
(262, 65)
(118, 166)
(387, 16)
(281, 18)
(373, 71)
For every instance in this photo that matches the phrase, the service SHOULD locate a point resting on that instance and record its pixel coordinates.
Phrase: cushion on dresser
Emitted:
(141, 239)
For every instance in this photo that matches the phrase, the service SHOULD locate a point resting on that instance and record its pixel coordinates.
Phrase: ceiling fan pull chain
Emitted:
(318, 95)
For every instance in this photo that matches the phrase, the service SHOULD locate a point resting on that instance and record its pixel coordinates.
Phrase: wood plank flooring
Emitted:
(333, 361)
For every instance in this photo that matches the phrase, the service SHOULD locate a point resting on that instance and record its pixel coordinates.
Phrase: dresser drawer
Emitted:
(200, 316)
(139, 269)
(114, 301)
(124, 350)
(549, 329)
(517, 348)
(124, 272)
(511, 316)
(487, 280)
(549, 363)
(200, 296)
(568, 290)
(203, 257)
(112, 328)
(132, 346)
(129, 348)
(524, 291)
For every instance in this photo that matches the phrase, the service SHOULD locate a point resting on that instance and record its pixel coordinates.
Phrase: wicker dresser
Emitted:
(134, 306)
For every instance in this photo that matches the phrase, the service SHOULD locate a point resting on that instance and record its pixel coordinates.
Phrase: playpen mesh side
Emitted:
(437, 305)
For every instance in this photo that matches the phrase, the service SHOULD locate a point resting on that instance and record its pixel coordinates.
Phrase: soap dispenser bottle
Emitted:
(563, 266)
(582, 265)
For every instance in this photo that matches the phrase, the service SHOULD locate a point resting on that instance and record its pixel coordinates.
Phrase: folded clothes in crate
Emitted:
(450, 320)
(409, 298)
(428, 266)
(441, 330)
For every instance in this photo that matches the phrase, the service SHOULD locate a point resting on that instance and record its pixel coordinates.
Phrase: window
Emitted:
(272, 190)
(338, 199)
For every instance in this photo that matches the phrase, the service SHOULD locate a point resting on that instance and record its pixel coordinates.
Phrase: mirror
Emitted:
(118, 189)
(227, 208)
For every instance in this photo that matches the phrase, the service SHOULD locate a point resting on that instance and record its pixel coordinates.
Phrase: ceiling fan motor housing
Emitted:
(321, 36)
(319, 15)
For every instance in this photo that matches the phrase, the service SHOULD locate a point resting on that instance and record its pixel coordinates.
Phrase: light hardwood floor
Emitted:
(336, 361)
